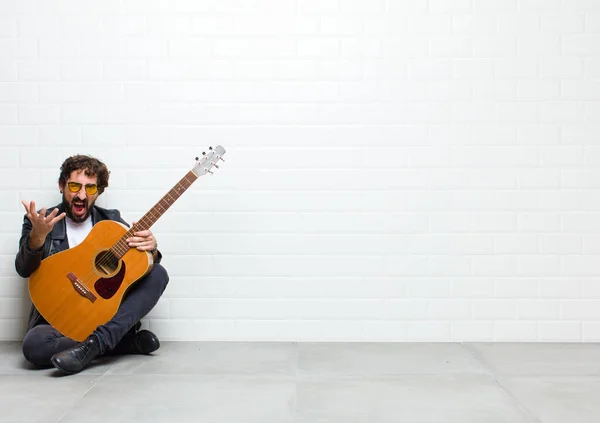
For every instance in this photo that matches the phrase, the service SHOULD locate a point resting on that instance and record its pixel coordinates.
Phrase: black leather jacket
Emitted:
(28, 260)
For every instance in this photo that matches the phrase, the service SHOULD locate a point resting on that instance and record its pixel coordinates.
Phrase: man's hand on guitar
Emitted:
(143, 241)
(41, 223)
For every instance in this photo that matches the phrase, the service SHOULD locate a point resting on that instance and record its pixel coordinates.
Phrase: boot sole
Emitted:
(55, 364)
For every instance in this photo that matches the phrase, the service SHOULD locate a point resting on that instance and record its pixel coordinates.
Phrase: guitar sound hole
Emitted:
(106, 262)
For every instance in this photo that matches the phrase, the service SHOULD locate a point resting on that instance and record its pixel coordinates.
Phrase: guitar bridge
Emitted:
(80, 287)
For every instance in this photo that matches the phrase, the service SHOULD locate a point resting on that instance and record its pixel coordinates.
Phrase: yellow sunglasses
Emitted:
(90, 189)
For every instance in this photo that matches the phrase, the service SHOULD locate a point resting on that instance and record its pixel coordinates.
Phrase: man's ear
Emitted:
(60, 187)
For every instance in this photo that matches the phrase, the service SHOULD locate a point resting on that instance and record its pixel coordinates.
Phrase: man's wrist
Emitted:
(35, 242)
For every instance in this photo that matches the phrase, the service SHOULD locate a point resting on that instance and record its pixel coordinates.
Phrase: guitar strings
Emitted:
(106, 259)
(117, 248)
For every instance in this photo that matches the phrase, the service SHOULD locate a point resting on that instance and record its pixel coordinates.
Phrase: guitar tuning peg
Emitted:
(204, 153)
(197, 159)
(215, 166)
(210, 148)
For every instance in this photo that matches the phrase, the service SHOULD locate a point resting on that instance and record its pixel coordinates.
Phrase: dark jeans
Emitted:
(43, 341)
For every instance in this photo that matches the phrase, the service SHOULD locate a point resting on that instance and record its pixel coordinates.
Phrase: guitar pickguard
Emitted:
(107, 287)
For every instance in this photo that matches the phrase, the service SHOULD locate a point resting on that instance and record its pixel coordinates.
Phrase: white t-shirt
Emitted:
(76, 232)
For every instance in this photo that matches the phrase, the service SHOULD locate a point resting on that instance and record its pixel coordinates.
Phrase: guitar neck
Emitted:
(167, 201)
(121, 247)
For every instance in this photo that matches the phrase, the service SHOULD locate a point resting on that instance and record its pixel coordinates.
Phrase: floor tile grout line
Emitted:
(473, 351)
(494, 373)
(100, 377)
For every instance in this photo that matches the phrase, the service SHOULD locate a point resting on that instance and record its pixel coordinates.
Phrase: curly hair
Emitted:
(90, 165)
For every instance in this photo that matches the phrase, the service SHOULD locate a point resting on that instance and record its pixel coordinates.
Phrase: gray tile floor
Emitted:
(215, 382)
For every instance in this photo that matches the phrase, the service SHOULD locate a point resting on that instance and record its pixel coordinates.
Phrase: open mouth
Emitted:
(79, 209)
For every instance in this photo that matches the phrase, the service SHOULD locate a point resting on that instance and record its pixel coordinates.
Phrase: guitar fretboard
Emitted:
(121, 247)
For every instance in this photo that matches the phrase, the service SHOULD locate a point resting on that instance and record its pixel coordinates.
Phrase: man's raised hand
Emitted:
(41, 223)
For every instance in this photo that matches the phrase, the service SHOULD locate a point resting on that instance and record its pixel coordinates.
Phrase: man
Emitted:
(45, 232)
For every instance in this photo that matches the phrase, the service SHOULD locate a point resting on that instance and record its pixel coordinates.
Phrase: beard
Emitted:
(70, 207)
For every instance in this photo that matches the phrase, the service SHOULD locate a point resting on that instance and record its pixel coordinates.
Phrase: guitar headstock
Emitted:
(208, 160)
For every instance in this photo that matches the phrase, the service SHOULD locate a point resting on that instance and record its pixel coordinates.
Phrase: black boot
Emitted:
(142, 342)
(75, 359)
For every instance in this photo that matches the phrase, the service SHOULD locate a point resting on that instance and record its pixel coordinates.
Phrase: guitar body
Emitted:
(81, 288)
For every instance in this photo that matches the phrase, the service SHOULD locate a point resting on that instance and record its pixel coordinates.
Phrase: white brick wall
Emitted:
(422, 170)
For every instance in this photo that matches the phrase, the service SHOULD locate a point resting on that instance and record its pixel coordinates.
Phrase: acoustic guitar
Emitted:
(81, 288)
